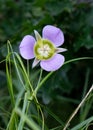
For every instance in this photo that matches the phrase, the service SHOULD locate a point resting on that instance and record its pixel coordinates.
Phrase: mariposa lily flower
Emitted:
(44, 49)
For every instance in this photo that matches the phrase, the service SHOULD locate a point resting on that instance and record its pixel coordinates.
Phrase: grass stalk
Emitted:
(76, 110)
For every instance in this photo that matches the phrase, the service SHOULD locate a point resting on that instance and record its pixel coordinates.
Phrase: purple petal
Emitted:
(54, 34)
(27, 47)
(53, 64)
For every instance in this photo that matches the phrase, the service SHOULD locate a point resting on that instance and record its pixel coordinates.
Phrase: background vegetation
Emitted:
(64, 90)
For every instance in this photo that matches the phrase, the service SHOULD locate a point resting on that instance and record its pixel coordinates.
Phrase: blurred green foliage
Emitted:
(21, 17)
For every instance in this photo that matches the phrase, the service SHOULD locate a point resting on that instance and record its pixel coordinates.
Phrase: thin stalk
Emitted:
(39, 78)
(28, 68)
(14, 54)
(37, 87)
(43, 81)
(49, 74)
(11, 125)
(86, 82)
(41, 116)
(84, 93)
(21, 123)
(76, 110)
(28, 121)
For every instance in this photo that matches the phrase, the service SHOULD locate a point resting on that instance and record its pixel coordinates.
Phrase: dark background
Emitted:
(64, 90)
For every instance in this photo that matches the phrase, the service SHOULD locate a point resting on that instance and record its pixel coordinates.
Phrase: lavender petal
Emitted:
(53, 64)
(54, 34)
(26, 47)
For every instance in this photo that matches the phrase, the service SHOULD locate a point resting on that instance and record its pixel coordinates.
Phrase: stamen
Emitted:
(44, 50)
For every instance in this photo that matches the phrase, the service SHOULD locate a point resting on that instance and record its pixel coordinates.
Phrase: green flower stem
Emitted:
(39, 78)
(34, 96)
(21, 123)
(26, 75)
(16, 56)
(9, 80)
(49, 74)
(28, 68)
(42, 82)
(12, 125)
(27, 108)
(28, 121)
(39, 109)
(37, 87)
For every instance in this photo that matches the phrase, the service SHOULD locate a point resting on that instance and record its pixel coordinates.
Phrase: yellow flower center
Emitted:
(44, 49)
